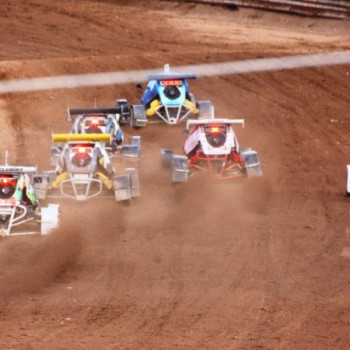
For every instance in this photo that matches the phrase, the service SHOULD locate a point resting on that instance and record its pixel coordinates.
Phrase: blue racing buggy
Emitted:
(168, 98)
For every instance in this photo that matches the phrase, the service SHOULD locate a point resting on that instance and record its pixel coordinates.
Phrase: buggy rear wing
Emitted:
(214, 121)
(167, 75)
(59, 138)
(106, 110)
(171, 76)
(82, 111)
(6, 169)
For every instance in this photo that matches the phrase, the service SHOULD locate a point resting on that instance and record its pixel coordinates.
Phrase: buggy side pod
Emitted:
(41, 184)
(49, 218)
(178, 163)
(133, 149)
(180, 168)
(126, 186)
(252, 163)
(138, 116)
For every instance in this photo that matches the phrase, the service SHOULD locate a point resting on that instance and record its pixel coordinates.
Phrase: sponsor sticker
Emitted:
(11, 169)
(10, 202)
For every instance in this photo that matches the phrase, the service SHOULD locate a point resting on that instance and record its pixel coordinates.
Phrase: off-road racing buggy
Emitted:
(84, 170)
(20, 212)
(212, 146)
(100, 120)
(168, 98)
(348, 180)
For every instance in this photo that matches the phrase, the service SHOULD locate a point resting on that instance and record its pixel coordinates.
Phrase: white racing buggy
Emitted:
(84, 169)
(100, 121)
(212, 146)
(20, 213)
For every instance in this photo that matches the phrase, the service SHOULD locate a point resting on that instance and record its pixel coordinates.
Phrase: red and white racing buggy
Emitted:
(212, 146)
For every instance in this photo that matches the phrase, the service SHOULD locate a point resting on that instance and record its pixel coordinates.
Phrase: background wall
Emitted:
(319, 8)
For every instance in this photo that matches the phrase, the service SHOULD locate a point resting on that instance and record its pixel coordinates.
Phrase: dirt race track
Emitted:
(223, 266)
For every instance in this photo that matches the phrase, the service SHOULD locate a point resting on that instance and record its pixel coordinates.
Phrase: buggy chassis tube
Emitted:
(173, 120)
(87, 182)
(221, 175)
(13, 220)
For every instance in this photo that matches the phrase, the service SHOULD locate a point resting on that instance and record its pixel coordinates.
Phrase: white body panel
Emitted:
(198, 135)
(348, 180)
(192, 141)
(226, 148)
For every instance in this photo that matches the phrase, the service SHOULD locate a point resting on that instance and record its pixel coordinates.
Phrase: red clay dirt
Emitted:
(204, 265)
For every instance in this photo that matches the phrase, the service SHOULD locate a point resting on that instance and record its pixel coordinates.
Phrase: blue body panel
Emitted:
(156, 90)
